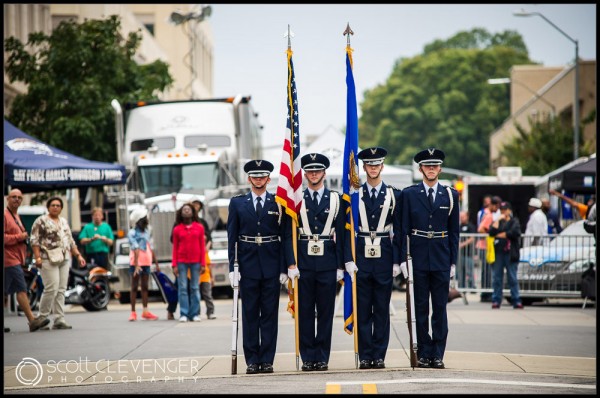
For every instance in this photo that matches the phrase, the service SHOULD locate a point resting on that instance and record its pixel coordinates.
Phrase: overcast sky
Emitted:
(249, 49)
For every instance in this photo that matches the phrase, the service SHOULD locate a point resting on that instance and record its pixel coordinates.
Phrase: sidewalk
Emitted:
(481, 340)
(73, 373)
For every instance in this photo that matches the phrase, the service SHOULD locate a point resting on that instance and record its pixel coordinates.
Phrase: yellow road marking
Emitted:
(333, 389)
(369, 388)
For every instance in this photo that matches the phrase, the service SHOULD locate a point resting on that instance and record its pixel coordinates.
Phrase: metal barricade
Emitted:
(550, 266)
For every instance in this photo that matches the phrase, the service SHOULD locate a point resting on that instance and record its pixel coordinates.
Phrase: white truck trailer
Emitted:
(174, 151)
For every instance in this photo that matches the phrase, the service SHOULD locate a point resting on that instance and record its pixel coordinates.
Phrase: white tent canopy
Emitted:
(331, 144)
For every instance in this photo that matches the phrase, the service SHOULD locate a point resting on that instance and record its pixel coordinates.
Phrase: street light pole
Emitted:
(178, 18)
(523, 13)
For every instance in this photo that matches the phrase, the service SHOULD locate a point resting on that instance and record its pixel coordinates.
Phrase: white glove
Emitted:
(404, 270)
(395, 270)
(351, 268)
(283, 278)
(292, 274)
(452, 271)
(340, 275)
(231, 278)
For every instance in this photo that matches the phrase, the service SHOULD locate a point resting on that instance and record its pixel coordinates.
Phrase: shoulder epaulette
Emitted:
(238, 195)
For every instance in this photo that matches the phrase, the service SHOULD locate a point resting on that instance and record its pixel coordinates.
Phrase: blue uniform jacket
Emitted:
(390, 250)
(333, 256)
(436, 254)
(267, 259)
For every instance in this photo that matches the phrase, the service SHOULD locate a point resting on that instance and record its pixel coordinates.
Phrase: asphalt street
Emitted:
(543, 349)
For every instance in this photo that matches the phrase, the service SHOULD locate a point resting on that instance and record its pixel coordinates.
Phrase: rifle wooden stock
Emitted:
(410, 307)
(234, 317)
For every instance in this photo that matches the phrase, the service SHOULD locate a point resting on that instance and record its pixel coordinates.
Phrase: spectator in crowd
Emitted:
(582, 208)
(97, 237)
(487, 200)
(48, 232)
(16, 240)
(141, 257)
(506, 230)
(206, 279)
(537, 225)
(484, 227)
(188, 254)
(590, 222)
(554, 226)
(466, 276)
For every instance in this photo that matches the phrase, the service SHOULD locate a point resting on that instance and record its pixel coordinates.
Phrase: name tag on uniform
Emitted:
(316, 248)
(372, 251)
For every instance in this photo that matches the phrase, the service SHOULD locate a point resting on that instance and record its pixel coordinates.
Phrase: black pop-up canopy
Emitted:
(580, 178)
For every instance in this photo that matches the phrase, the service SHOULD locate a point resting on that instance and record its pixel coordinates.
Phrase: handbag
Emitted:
(490, 256)
(56, 256)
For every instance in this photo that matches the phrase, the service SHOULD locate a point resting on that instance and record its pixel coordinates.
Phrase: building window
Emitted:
(147, 20)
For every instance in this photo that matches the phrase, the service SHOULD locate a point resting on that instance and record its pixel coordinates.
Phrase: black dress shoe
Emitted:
(321, 366)
(308, 366)
(437, 363)
(266, 368)
(424, 363)
(378, 364)
(253, 368)
(365, 364)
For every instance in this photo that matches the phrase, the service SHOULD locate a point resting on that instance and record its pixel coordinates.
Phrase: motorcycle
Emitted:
(88, 287)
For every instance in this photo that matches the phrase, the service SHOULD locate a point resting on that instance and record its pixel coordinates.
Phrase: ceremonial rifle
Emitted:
(410, 307)
(234, 317)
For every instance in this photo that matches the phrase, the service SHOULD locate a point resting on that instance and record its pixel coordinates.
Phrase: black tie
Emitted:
(315, 198)
(258, 206)
(373, 195)
(431, 197)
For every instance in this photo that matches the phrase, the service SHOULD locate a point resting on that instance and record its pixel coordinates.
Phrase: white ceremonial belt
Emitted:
(259, 239)
(430, 234)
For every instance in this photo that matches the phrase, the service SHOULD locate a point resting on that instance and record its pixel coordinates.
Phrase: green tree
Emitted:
(441, 98)
(547, 145)
(71, 76)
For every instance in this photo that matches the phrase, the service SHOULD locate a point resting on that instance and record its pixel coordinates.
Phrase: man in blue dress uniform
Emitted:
(430, 217)
(258, 226)
(320, 262)
(377, 259)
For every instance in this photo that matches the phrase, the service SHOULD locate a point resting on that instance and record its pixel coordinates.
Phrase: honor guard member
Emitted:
(320, 262)
(377, 259)
(258, 227)
(430, 217)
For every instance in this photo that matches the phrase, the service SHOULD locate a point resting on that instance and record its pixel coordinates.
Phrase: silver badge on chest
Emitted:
(372, 251)
(316, 248)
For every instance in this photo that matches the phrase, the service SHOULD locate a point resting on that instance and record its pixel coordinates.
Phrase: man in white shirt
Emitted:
(537, 226)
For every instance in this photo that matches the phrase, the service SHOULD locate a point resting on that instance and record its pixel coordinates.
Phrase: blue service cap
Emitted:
(258, 168)
(314, 161)
(373, 156)
(430, 156)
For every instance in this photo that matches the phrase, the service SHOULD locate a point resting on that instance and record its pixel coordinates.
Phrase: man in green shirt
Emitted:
(97, 237)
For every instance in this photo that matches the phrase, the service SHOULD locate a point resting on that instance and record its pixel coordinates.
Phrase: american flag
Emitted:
(289, 189)
(350, 182)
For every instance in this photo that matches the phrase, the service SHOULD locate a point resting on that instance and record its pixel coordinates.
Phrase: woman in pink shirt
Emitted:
(188, 254)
